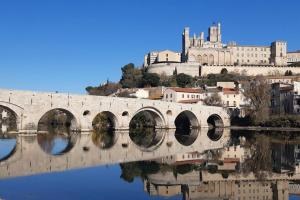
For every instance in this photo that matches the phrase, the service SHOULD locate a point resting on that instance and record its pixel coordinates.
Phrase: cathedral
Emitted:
(200, 56)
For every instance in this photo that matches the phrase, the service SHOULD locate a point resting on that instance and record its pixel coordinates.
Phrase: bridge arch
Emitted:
(186, 120)
(16, 112)
(58, 116)
(153, 118)
(105, 120)
(215, 120)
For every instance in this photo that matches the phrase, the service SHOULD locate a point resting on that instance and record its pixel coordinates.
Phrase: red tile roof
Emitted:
(230, 91)
(187, 90)
(189, 101)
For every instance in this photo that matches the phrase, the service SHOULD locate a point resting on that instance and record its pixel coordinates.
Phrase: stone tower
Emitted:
(279, 53)
(214, 33)
(185, 42)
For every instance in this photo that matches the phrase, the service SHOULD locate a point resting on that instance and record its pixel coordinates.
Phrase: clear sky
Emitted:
(66, 45)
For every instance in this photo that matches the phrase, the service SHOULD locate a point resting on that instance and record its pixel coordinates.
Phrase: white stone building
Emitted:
(293, 57)
(200, 57)
(183, 95)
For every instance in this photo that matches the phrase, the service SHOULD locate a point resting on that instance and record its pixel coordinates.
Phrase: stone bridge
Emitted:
(28, 157)
(30, 107)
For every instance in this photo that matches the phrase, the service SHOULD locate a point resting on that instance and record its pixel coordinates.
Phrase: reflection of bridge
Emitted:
(28, 157)
(30, 107)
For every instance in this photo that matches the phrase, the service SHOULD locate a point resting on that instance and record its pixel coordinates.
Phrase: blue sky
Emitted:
(66, 45)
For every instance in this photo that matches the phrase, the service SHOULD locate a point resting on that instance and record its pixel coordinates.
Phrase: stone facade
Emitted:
(29, 108)
(293, 57)
(200, 57)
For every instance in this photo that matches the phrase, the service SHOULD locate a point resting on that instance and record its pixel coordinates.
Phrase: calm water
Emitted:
(150, 164)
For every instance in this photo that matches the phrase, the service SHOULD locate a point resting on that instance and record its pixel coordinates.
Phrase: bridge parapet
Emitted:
(30, 106)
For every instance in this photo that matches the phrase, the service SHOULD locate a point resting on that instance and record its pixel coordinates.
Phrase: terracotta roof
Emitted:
(231, 160)
(230, 91)
(189, 161)
(186, 90)
(189, 101)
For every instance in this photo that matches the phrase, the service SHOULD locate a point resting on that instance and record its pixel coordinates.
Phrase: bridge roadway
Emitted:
(29, 108)
(28, 158)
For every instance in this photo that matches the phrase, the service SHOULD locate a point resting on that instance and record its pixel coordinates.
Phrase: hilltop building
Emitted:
(200, 57)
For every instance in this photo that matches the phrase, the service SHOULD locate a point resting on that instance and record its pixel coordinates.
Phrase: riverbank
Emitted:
(262, 128)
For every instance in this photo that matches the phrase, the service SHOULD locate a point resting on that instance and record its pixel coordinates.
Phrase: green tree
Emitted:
(224, 71)
(175, 72)
(131, 76)
(213, 100)
(183, 80)
(257, 93)
(288, 73)
(103, 90)
(150, 79)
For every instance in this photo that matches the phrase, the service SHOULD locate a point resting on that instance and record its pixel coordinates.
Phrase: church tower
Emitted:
(214, 33)
(185, 42)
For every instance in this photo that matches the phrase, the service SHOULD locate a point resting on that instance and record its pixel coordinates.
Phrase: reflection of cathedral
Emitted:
(241, 187)
(201, 56)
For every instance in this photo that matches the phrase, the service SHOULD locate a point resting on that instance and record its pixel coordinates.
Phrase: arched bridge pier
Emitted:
(31, 108)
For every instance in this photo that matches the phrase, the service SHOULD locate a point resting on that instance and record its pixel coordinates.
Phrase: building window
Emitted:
(182, 95)
(227, 103)
(170, 95)
(234, 103)
(188, 96)
(166, 96)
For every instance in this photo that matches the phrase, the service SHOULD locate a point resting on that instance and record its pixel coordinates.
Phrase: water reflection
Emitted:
(104, 139)
(57, 140)
(147, 138)
(215, 133)
(186, 137)
(7, 146)
(251, 165)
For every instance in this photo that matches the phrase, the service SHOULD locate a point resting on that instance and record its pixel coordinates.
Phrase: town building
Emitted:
(200, 56)
(293, 57)
(282, 99)
(183, 95)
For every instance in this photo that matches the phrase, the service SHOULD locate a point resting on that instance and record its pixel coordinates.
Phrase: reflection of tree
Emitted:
(103, 139)
(144, 137)
(260, 160)
(138, 169)
(143, 169)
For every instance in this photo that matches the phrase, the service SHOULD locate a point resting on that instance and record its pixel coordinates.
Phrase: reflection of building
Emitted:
(193, 157)
(235, 153)
(162, 190)
(238, 190)
(219, 187)
(286, 157)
